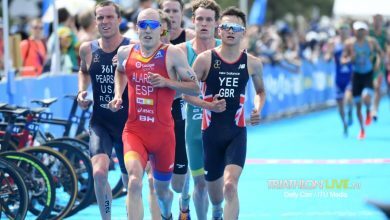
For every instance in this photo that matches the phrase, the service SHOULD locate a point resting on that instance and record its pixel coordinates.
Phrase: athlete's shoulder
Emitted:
(173, 49)
(205, 55)
(85, 48)
(252, 58)
(182, 46)
(190, 34)
(125, 48)
(254, 62)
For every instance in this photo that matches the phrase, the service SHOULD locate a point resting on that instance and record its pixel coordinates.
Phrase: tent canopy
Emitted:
(362, 9)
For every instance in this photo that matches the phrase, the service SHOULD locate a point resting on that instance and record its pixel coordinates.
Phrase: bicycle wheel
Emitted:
(38, 180)
(115, 179)
(64, 177)
(82, 145)
(83, 137)
(13, 193)
(83, 167)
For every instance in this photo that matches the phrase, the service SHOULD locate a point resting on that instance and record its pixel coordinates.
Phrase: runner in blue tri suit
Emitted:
(343, 75)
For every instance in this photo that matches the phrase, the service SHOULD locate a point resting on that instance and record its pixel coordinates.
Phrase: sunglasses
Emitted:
(37, 27)
(235, 27)
(153, 24)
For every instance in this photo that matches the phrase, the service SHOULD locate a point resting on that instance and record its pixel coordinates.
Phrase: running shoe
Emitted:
(185, 215)
(362, 135)
(368, 118)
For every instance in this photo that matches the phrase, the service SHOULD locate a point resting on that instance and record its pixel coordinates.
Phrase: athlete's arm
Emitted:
(256, 72)
(217, 105)
(177, 63)
(378, 53)
(347, 56)
(120, 79)
(201, 67)
(84, 79)
(329, 50)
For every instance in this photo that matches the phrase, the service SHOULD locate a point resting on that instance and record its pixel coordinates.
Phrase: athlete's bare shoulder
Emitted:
(125, 49)
(123, 53)
(204, 55)
(254, 61)
(182, 47)
(254, 64)
(190, 34)
(85, 49)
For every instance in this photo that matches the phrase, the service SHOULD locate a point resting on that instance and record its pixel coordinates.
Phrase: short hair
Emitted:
(165, 18)
(207, 4)
(109, 3)
(161, 2)
(63, 15)
(234, 11)
(85, 19)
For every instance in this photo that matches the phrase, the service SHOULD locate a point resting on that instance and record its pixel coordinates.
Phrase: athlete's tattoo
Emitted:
(192, 76)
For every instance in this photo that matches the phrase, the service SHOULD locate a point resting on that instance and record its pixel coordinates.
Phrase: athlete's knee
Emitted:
(162, 191)
(200, 186)
(135, 184)
(100, 175)
(230, 189)
(177, 183)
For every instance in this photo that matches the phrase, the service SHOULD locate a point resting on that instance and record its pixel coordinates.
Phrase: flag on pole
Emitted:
(258, 12)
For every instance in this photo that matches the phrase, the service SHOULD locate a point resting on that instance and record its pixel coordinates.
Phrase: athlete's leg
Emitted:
(359, 114)
(348, 100)
(184, 200)
(100, 147)
(235, 160)
(196, 160)
(357, 90)
(162, 161)
(200, 198)
(135, 169)
(164, 197)
(231, 177)
(215, 190)
(377, 95)
(100, 164)
(153, 204)
(135, 157)
(180, 178)
(340, 106)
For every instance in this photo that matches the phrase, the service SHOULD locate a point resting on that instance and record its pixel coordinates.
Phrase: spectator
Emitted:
(88, 31)
(33, 50)
(65, 20)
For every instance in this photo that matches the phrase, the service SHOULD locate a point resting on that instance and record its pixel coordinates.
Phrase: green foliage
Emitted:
(278, 8)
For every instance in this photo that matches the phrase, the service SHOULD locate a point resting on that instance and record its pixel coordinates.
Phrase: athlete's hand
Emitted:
(156, 80)
(115, 104)
(115, 60)
(255, 117)
(81, 99)
(217, 105)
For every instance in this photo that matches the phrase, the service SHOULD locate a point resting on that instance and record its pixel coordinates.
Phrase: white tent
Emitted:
(361, 9)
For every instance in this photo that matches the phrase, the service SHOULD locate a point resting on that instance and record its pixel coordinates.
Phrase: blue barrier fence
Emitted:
(286, 91)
